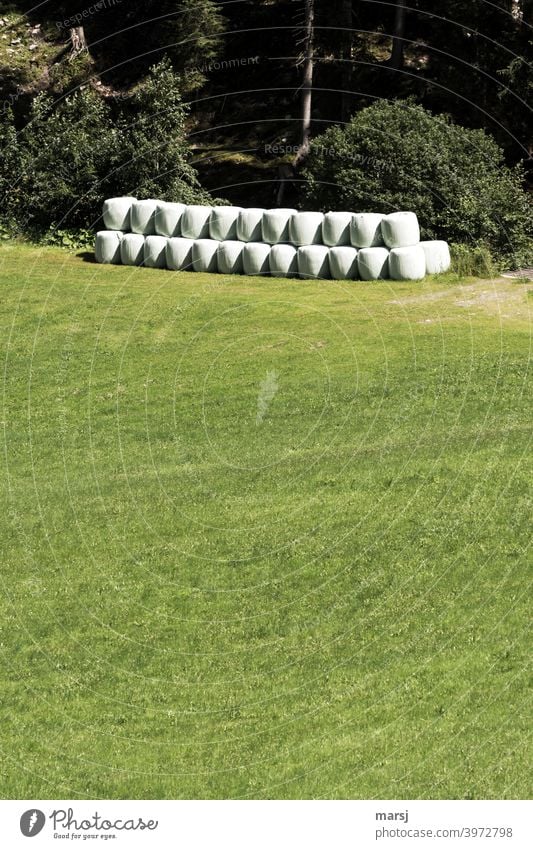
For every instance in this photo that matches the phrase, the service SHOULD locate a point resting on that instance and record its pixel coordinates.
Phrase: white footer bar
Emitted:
(268, 825)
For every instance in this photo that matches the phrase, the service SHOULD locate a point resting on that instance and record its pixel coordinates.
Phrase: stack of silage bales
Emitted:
(279, 242)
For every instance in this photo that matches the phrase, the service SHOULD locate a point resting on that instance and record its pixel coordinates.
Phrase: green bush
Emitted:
(474, 261)
(71, 155)
(397, 155)
(65, 153)
(71, 239)
(11, 169)
(153, 157)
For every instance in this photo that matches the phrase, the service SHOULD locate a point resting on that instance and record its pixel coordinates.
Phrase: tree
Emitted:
(129, 38)
(396, 58)
(153, 159)
(308, 62)
(346, 20)
(76, 151)
(69, 18)
(399, 156)
(78, 40)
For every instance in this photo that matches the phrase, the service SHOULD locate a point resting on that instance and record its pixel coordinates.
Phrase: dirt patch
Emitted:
(498, 297)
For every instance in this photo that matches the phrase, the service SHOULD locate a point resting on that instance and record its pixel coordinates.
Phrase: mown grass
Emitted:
(262, 538)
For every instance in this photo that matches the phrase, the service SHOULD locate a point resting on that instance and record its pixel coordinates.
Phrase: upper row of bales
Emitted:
(280, 242)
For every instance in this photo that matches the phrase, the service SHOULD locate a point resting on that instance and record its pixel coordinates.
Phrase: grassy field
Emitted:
(262, 538)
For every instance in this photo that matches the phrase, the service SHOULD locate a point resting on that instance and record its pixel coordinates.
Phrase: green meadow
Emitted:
(262, 538)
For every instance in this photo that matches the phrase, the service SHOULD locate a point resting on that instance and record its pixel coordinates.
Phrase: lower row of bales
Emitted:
(280, 242)
(281, 260)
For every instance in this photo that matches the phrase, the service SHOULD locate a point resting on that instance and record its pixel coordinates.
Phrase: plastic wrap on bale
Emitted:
(400, 230)
(179, 254)
(336, 228)
(365, 230)
(283, 261)
(343, 263)
(313, 262)
(107, 247)
(305, 228)
(195, 222)
(438, 259)
(168, 219)
(204, 255)
(275, 227)
(116, 214)
(256, 258)
(230, 257)
(155, 252)
(407, 263)
(143, 217)
(223, 223)
(373, 263)
(250, 225)
(132, 249)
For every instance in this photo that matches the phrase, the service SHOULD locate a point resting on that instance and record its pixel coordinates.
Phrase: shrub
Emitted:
(71, 239)
(66, 152)
(11, 168)
(153, 157)
(73, 154)
(474, 261)
(398, 155)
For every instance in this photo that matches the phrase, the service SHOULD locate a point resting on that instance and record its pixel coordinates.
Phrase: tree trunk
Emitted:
(307, 85)
(285, 175)
(346, 22)
(78, 41)
(396, 59)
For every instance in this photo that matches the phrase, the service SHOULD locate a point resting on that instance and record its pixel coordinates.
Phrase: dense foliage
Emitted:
(91, 120)
(399, 156)
(71, 155)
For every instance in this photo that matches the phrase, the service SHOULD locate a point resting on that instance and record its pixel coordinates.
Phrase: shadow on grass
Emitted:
(87, 256)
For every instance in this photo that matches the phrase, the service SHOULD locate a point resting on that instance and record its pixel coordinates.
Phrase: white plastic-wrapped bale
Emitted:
(155, 249)
(305, 228)
(275, 226)
(336, 228)
(283, 261)
(107, 246)
(116, 213)
(343, 263)
(373, 263)
(132, 249)
(256, 258)
(204, 255)
(143, 217)
(400, 230)
(365, 230)
(223, 223)
(437, 255)
(249, 225)
(168, 219)
(230, 257)
(313, 262)
(195, 222)
(179, 254)
(407, 263)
